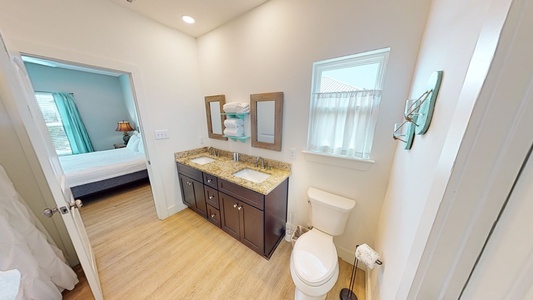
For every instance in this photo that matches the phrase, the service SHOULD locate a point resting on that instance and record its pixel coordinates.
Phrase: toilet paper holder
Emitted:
(347, 293)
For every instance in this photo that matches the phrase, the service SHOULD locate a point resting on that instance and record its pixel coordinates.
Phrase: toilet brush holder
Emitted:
(348, 293)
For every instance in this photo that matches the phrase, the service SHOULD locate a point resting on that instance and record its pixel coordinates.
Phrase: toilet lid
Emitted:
(314, 257)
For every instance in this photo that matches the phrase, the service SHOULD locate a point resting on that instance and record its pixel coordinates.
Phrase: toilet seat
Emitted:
(314, 258)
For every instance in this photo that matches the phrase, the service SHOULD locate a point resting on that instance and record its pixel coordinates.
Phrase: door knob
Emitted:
(239, 208)
(213, 216)
(235, 205)
(209, 180)
(211, 197)
(76, 204)
(49, 212)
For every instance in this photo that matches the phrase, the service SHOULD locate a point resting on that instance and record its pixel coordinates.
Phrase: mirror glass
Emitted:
(215, 121)
(266, 120)
(216, 118)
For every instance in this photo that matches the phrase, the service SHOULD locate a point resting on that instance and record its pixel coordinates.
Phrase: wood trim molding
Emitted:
(221, 99)
(277, 97)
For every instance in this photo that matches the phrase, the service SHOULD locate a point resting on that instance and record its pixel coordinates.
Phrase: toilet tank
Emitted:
(329, 212)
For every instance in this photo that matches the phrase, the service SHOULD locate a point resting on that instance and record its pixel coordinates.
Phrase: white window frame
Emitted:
(376, 56)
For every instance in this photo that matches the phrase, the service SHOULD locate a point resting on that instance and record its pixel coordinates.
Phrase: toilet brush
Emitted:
(347, 293)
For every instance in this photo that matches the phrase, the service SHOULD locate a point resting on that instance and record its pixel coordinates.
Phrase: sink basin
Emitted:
(252, 175)
(202, 160)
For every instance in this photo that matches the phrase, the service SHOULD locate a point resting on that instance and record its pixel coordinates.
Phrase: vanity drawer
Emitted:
(253, 198)
(213, 215)
(210, 180)
(191, 172)
(211, 197)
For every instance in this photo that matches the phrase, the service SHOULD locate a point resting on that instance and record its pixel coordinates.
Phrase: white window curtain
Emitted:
(342, 123)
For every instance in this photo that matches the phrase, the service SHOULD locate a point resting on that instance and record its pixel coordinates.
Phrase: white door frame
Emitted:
(490, 155)
(505, 268)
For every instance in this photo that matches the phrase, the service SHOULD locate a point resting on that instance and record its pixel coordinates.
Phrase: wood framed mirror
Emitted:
(215, 120)
(266, 113)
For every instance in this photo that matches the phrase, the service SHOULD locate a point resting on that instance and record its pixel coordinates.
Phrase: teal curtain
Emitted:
(73, 125)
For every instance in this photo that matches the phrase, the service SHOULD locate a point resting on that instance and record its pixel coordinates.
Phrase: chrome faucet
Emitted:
(214, 152)
(262, 162)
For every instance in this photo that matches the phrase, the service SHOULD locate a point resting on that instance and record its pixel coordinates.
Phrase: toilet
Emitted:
(314, 264)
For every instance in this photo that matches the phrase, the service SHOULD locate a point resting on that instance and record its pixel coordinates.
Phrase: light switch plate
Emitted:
(161, 134)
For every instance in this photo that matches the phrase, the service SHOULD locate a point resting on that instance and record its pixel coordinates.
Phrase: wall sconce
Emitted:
(418, 112)
(124, 126)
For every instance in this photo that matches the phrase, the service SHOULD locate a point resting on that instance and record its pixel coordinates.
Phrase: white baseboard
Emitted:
(368, 289)
(173, 209)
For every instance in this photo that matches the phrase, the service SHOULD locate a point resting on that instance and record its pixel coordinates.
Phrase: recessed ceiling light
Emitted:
(188, 19)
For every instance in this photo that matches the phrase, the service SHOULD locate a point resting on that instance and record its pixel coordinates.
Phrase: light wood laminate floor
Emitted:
(181, 257)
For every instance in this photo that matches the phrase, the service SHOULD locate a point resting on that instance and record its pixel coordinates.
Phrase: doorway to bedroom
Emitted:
(91, 118)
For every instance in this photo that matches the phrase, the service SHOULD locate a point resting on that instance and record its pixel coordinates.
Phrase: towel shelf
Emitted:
(236, 115)
(237, 138)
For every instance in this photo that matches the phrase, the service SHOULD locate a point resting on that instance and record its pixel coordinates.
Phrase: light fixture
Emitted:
(124, 126)
(188, 19)
(418, 112)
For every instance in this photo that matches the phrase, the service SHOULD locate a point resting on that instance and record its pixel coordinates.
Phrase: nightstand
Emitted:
(117, 146)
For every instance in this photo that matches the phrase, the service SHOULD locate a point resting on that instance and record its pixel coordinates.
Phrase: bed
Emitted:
(98, 171)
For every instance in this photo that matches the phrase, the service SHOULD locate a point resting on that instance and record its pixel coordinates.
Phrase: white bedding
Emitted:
(95, 166)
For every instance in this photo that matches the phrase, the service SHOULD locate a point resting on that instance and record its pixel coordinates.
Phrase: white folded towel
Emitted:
(237, 131)
(232, 123)
(241, 110)
(236, 107)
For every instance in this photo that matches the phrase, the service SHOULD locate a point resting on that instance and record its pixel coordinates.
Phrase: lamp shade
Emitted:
(124, 126)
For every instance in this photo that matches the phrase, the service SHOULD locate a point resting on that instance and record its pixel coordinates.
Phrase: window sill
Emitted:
(350, 163)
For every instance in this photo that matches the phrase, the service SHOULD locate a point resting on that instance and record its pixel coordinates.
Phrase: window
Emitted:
(53, 123)
(345, 97)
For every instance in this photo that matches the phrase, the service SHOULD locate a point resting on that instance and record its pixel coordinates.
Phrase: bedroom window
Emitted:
(345, 97)
(53, 123)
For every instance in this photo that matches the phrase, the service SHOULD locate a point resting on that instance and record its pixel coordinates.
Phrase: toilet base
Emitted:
(299, 295)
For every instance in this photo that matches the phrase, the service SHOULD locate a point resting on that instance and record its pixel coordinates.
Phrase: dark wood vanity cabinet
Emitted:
(192, 189)
(256, 220)
(243, 222)
(192, 193)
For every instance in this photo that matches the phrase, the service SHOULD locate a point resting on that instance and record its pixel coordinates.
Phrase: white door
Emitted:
(20, 87)
(505, 268)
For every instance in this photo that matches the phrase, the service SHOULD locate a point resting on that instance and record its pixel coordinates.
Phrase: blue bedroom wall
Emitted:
(100, 99)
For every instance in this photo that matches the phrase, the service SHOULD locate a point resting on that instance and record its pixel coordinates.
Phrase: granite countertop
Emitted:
(224, 167)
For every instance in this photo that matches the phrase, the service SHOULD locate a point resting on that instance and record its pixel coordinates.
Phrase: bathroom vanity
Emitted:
(250, 206)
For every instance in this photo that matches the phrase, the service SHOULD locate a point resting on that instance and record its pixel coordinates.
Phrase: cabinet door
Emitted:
(252, 227)
(229, 215)
(199, 196)
(187, 191)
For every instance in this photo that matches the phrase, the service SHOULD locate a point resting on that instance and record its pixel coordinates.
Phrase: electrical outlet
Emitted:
(201, 140)
(161, 134)
(293, 153)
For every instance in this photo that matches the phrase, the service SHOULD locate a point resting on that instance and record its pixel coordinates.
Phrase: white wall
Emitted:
(272, 48)
(99, 98)
(448, 44)
(129, 101)
(162, 61)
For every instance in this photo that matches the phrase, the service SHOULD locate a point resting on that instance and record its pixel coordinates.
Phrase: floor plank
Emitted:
(181, 257)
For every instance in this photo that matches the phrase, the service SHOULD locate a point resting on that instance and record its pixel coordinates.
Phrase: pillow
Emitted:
(140, 148)
(133, 143)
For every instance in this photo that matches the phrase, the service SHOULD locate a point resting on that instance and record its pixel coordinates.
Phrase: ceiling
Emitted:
(209, 14)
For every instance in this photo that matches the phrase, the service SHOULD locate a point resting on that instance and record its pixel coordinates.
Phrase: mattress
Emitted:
(100, 165)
